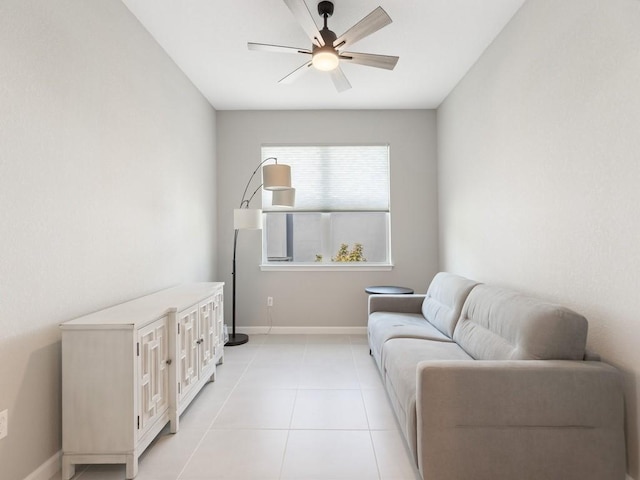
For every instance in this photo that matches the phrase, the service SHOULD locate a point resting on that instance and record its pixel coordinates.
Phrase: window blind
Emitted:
(334, 178)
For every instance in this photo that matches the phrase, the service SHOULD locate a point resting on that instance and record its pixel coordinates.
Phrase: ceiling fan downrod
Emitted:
(325, 9)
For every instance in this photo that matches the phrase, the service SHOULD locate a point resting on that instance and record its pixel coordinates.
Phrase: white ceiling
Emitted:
(437, 42)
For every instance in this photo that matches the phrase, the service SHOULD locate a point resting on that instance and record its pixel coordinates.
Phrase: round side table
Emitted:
(388, 290)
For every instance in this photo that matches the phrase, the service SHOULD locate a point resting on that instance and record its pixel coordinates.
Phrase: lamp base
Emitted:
(237, 339)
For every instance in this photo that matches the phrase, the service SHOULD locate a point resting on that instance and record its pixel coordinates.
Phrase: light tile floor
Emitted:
(283, 407)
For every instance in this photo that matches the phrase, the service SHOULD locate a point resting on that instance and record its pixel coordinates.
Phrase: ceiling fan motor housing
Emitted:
(329, 38)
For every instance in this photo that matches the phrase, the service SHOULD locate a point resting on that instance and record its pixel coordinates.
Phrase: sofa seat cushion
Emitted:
(499, 324)
(384, 326)
(444, 300)
(401, 358)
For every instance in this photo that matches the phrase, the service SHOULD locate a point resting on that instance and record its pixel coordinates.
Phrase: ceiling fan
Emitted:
(328, 50)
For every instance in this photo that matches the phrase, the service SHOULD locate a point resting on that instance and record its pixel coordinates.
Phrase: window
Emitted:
(342, 198)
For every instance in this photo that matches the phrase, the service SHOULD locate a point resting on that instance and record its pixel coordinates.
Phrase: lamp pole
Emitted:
(235, 338)
(241, 338)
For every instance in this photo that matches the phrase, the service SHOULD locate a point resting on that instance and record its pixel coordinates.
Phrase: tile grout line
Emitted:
(205, 433)
(366, 412)
(293, 410)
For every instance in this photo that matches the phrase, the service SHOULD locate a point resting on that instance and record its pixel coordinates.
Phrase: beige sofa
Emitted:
(488, 384)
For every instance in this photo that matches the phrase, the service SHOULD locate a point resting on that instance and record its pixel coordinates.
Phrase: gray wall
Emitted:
(327, 299)
(539, 166)
(107, 178)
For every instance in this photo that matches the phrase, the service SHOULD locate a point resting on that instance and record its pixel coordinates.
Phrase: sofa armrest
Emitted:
(520, 419)
(396, 303)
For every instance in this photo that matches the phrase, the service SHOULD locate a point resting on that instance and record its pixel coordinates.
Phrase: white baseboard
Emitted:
(303, 330)
(48, 469)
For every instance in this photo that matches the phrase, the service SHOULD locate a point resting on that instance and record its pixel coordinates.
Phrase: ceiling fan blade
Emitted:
(370, 60)
(365, 27)
(264, 47)
(293, 76)
(340, 80)
(306, 21)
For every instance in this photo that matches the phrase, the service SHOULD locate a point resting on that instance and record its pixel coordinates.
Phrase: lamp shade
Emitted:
(284, 198)
(276, 177)
(247, 219)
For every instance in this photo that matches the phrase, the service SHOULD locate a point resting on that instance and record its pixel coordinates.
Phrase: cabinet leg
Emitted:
(174, 422)
(68, 468)
(132, 466)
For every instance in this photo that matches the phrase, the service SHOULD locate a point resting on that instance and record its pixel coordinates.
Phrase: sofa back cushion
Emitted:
(444, 300)
(498, 324)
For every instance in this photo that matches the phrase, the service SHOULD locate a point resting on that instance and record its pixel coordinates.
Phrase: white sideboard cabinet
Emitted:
(130, 369)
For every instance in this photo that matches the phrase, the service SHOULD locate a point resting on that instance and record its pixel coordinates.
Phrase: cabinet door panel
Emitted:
(218, 318)
(207, 333)
(188, 344)
(153, 372)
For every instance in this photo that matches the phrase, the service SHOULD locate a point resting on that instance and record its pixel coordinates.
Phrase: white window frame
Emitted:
(326, 265)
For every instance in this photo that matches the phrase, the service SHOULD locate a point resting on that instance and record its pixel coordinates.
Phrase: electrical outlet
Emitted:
(269, 301)
(4, 423)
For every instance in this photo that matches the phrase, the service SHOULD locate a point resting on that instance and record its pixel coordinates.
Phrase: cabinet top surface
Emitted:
(140, 311)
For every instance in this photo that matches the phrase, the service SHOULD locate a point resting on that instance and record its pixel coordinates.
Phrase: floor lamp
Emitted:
(276, 177)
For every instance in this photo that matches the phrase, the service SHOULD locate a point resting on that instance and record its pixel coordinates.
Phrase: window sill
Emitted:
(326, 267)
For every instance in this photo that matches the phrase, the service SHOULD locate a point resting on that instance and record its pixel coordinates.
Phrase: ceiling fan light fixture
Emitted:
(325, 59)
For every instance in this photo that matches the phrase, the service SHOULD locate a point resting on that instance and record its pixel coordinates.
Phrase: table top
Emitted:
(388, 290)
(143, 310)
